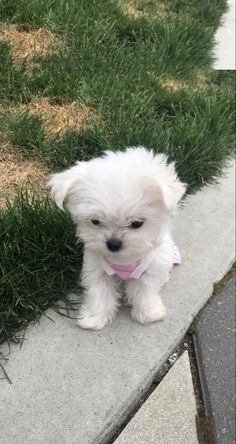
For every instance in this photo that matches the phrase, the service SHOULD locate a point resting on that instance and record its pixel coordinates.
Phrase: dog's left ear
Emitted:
(61, 183)
(172, 192)
(169, 189)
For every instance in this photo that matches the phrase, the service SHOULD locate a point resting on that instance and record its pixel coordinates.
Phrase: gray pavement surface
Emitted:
(214, 340)
(72, 386)
(169, 414)
(224, 51)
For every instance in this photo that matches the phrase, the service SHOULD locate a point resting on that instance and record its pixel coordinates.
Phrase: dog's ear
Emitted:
(168, 188)
(61, 183)
(172, 192)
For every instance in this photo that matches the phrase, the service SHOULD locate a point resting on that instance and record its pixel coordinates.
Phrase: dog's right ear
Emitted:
(61, 183)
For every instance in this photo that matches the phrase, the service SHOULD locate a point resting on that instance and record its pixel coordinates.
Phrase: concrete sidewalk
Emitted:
(224, 51)
(74, 386)
(169, 414)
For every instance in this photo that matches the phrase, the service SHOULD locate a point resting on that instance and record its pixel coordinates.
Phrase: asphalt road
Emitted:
(214, 342)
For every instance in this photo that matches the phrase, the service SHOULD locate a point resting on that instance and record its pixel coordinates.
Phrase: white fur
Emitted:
(116, 189)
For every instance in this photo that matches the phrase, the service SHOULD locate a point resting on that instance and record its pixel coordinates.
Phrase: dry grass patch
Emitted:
(24, 44)
(172, 85)
(139, 8)
(201, 80)
(16, 172)
(57, 118)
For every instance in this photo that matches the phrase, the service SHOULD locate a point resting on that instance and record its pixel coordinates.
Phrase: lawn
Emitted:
(78, 77)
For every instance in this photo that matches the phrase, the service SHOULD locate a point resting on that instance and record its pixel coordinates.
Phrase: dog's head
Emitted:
(121, 202)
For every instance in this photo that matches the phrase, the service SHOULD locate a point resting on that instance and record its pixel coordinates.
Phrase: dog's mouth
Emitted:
(124, 257)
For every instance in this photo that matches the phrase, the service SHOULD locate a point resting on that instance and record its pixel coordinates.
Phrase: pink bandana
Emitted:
(135, 269)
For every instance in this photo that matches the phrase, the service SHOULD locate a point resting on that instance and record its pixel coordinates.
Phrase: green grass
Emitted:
(39, 261)
(194, 128)
(116, 66)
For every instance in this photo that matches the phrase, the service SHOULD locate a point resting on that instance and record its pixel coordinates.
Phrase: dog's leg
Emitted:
(101, 295)
(143, 294)
(145, 301)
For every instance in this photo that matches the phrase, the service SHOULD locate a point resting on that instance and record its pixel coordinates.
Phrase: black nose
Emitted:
(114, 244)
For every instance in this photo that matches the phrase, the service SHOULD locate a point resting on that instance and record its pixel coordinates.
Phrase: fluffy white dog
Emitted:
(121, 204)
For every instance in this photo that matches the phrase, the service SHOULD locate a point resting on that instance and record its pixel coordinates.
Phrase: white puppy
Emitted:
(121, 204)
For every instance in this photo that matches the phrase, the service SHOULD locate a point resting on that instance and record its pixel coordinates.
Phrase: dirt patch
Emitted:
(25, 44)
(16, 172)
(57, 118)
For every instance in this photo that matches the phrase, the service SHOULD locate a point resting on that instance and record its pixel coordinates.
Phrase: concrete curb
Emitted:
(73, 386)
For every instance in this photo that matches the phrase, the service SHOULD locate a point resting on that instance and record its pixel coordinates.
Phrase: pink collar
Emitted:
(128, 271)
(135, 269)
(125, 271)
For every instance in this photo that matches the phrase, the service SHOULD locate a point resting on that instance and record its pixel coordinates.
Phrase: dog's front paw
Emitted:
(149, 312)
(91, 321)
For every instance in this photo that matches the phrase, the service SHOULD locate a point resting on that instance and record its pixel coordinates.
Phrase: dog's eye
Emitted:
(136, 224)
(96, 222)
